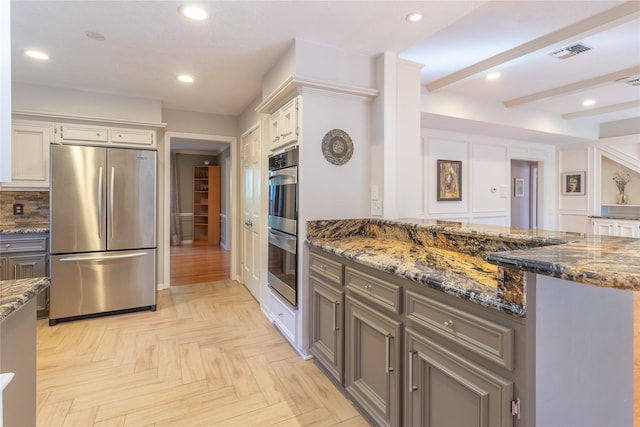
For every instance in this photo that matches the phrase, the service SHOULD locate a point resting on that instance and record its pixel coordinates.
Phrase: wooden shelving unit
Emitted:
(206, 205)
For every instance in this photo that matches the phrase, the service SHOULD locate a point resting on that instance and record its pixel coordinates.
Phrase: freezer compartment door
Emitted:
(78, 199)
(131, 196)
(93, 283)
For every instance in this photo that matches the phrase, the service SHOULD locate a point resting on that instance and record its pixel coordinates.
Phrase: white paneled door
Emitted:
(251, 212)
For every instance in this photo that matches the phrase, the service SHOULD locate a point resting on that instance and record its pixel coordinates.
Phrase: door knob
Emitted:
(248, 223)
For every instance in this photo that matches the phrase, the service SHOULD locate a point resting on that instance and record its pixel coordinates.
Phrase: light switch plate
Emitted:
(376, 207)
(375, 192)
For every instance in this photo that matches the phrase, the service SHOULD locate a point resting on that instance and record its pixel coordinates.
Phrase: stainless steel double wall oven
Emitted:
(283, 224)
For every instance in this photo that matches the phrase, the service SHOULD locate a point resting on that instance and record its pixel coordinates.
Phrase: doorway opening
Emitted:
(525, 194)
(188, 260)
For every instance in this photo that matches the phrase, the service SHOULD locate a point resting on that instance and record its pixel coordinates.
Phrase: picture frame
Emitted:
(573, 183)
(449, 179)
(518, 187)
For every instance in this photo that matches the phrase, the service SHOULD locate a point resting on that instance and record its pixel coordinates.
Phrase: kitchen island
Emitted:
(18, 347)
(573, 361)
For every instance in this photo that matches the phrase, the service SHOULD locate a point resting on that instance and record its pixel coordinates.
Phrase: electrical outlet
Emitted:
(18, 209)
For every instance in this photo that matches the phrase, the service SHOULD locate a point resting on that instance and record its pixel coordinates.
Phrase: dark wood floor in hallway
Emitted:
(199, 264)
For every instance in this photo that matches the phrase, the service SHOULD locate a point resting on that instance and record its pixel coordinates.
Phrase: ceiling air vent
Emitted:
(570, 51)
(631, 81)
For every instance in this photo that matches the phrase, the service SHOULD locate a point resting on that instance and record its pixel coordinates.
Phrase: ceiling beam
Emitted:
(625, 10)
(602, 110)
(574, 87)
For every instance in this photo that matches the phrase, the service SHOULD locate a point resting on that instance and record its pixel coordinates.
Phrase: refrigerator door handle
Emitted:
(111, 199)
(100, 174)
(102, 257)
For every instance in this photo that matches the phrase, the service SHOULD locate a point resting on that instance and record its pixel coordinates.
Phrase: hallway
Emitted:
(199, 264)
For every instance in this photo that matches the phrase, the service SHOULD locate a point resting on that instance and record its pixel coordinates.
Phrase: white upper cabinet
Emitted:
(73, 133)
(77, 133)
(284, 125)
(30, 155)
(132, 136)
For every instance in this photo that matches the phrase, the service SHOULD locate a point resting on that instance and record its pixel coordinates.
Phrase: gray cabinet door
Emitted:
(373, 361)
(327, 326)
(4, 272)
(445, 389)
(27, 266)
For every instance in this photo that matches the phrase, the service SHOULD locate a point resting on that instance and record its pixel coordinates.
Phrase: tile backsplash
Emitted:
(35, 213)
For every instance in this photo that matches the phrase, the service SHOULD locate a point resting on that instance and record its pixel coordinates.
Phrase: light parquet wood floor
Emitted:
(207, 356)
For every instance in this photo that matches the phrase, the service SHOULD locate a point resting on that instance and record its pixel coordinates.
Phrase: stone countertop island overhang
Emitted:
(16, 293)
(481, 263)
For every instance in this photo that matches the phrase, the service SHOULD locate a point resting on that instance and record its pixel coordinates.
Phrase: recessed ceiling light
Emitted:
(414, 17)
(185, 78)
(193, 12)
(588, 102)
(95, 35)
(36, 54)
(493, 76)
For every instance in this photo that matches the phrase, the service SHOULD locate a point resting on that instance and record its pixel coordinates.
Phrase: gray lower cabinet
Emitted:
(447, 389)
(327, 337)
(27, 266)
(327, 311)
(413, 356)
(373, 370)
(24, 256)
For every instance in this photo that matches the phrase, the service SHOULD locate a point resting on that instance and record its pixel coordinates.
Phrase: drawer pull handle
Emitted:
(412, 387)
(368, 287)
(448, 323)
(7, 245)
(322, 266)
(387, 342)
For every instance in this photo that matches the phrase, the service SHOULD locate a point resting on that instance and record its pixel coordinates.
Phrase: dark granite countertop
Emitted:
(480, 263)
(25, 230)
(618, 217)
(16, 293)
(605, 261)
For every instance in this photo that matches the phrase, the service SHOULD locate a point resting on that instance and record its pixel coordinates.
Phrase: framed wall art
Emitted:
(449, 180)
(573, 183)
(518, 187)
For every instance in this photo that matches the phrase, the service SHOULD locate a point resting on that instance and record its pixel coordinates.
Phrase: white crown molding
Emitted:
(61, 116)
(295, 84)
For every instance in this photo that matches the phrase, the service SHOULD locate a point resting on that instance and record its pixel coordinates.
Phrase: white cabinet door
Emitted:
(274, 131)
(288, 122)
(628, 228)
(283, 128)
(610, 227)
(30, 155)
(132, 136)
(76, 133)
(603, 227)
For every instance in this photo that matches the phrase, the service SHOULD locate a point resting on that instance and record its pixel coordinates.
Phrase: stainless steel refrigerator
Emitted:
(102, 231)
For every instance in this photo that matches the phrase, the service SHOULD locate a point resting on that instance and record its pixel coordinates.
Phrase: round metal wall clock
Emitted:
(337, 147)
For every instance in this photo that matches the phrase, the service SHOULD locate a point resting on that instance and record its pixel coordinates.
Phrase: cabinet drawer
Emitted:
(384, 294)
(324, 267)
(283, 316)
(132, 136)
(83, 133)
(23, 245)
(485, 338)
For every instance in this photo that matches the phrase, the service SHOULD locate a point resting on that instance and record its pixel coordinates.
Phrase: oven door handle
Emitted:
(282, 180)
(282, 240)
